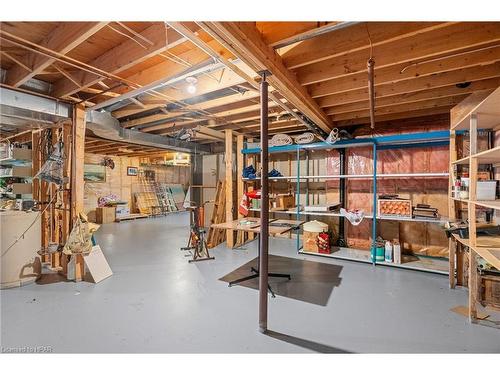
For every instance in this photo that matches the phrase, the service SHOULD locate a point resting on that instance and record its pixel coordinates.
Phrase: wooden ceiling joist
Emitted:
(352, 39)
(245, 41)
(402, 72)
(410, 97)
(121, 58)
(62, 39)
(445, 40)
(473, 74)
(406, 107)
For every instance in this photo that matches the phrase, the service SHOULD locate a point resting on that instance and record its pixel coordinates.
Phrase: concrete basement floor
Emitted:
(157, 302)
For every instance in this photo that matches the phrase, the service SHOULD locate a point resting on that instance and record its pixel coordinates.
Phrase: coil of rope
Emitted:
(304, 138)
(280, 140)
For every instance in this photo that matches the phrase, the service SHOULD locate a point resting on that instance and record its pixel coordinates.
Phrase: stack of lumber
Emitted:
(217, 236)
(425, 211)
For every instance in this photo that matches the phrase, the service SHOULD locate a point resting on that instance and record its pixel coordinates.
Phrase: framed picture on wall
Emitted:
(132, 171)
(94, 173)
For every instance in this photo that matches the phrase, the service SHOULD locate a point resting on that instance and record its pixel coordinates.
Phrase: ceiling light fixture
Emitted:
(192, 81)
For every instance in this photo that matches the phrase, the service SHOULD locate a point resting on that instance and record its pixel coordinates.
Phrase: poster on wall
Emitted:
(94, 173)
(132, 171)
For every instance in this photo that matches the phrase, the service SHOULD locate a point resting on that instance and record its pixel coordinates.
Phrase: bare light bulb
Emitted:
(191, 89)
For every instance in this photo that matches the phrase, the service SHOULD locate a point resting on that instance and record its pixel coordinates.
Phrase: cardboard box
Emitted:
(282, 202)
(105, 215)
(463, 144)
(486, 190)
(20, 188)
(122, 210)
(394, 207)
(490, 291)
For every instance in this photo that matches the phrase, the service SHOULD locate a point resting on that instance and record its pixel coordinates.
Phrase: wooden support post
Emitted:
(452, 245)
(54, 213)
(77, 183)
(229, 186)
(35, 167)
(66, 194)
(239, 182)
(473, 164)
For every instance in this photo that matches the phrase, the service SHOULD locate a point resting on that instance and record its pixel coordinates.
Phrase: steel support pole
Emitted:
(374, 220)
(342, 196)
(264, 206)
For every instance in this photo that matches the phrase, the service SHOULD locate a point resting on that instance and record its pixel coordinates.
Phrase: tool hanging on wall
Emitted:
(52, 170)
(108, 162)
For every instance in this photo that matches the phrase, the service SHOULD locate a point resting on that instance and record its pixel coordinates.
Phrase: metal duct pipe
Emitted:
(313, 33)
(371, 90)
(106, 126)
(22, 110)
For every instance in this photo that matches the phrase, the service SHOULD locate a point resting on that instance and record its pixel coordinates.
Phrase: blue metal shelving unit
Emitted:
(410, 140)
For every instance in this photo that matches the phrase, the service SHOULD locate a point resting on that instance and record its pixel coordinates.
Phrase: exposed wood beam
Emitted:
(421, 83)
(62, 39)
(205, 85)
(312, 33)
(219, 56)
(406, 107)
(402, 72)
(244, 40)
(439, 42)
(16, 60)
(352, 39)
(411, 97)
(121, 58)
(234, 120)
(238, 105)
(398, 116)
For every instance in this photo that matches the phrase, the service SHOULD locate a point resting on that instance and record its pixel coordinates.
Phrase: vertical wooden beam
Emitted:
(452, 245)
(473, 164)
(77, 183)
(229, 186)
(54, 213)
(78, 151)
(66, 194)
(239, 180)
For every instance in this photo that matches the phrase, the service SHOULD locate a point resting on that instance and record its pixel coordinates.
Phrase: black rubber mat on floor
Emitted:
(311, 282)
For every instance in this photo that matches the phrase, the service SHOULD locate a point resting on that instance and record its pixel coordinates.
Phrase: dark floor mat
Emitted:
(311, 282)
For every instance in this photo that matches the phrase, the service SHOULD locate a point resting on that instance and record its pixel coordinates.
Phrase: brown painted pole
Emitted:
(264, 206)
(371, 90)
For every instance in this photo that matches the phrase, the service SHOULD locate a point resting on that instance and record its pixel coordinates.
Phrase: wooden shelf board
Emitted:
(488, 113)
(491, 255)
(491, 156)
(462, 161)
(368, 216)
(460, 200)
(410, 262)
(490, 204)
(367, 176)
